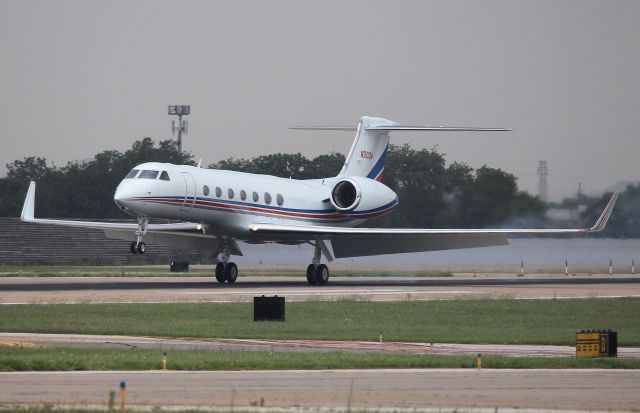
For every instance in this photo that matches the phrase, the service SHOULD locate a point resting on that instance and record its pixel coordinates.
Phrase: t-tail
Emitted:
(368, 153)
(369, 150)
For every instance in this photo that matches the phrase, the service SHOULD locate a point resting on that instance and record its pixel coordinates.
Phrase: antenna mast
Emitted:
(543, 185)
(182, 128)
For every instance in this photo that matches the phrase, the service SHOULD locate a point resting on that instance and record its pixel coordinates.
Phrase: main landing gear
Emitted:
(137, 246)
(225, 270)
(318, 274)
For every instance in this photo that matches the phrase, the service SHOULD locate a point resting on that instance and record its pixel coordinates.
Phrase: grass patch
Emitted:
(68, 359)
(467, 321)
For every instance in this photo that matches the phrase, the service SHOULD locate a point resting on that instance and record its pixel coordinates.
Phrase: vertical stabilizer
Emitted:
(369, 150)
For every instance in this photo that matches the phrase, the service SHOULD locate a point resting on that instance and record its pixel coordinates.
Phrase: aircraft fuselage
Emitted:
(228, 202)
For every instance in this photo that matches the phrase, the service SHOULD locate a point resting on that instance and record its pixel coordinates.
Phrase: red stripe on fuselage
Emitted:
(233, 207)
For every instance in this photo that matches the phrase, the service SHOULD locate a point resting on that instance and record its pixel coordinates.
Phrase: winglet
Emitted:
(29, 203)
(604, 217)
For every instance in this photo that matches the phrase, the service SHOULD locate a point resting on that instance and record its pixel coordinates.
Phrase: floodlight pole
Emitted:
(183, 126)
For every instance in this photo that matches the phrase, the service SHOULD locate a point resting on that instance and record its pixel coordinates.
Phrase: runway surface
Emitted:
(340, 389)
(224, 344)
(34, 290)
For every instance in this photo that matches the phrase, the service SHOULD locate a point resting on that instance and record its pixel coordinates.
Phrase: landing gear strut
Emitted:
(137, 246)
(318, 274)
(225, 270)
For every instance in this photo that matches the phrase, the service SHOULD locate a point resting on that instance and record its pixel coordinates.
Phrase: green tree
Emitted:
(81, 189)
(294, 166)
(418, 177)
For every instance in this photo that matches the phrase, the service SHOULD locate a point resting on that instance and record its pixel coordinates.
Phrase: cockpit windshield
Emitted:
(132, 174)
(164, 176)
(148, 174)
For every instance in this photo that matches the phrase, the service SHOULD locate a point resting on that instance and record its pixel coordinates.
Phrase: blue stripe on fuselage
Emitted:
(379, 166)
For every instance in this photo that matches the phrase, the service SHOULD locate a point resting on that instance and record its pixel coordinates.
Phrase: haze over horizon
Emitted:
(82, 77)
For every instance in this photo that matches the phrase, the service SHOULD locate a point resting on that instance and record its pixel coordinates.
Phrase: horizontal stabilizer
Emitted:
(405, 128)
(437, 128)
(342, 128)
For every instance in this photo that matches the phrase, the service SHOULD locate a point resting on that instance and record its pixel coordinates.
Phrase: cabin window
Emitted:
(132, 174)
(279, 199)
(164, 176)
(218, 192)
(148, 174)
(205, 190)
(256, 197)
(230, 193)
(243, 194)
(267, 198)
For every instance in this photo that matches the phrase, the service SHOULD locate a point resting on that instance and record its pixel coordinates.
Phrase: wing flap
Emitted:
(344, 247)
(177, 240)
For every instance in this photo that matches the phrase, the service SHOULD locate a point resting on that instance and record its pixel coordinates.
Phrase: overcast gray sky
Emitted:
(79, 77)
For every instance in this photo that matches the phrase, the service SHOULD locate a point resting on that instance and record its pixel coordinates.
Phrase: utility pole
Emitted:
(543, 185)
(182, 128)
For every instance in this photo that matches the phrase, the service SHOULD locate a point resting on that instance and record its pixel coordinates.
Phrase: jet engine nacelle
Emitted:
(359, 195)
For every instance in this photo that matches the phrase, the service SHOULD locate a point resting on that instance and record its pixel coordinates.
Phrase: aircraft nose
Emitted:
(118, 198)
(123, 196)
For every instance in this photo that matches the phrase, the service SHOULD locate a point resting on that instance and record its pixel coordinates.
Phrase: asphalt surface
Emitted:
(340, 389)
(34, 290)
(300, 390)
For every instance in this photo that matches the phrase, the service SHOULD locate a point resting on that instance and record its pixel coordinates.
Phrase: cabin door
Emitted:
(189, 192)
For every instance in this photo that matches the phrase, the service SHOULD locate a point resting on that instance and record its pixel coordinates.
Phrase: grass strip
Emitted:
(69, 359)
(466, 321)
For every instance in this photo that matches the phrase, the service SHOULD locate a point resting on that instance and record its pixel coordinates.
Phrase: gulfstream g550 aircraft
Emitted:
(218, 208)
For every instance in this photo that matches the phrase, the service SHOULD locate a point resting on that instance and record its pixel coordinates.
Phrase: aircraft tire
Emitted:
(220, 277)
(132, 248)
(141, 248)
(311, 274)
(322, 274)
(231, 272)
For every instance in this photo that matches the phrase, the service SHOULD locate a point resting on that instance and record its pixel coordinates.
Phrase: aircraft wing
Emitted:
(185, 235)
(356, 242)
(28, 216)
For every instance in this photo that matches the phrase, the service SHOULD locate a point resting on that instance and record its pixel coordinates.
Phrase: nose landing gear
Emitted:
(137, 246)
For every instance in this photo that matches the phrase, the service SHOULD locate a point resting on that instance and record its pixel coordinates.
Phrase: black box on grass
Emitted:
(268, 308)
(179, 266)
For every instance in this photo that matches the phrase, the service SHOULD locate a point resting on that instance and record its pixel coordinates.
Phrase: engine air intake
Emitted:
(345, 195)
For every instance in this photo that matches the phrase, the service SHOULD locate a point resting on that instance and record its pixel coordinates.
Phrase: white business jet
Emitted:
(217, 208)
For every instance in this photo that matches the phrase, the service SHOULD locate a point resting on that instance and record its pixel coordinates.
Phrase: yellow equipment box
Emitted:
(587, 344)
(596, 343)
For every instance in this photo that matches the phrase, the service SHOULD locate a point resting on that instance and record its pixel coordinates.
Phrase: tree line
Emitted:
(432, 194)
